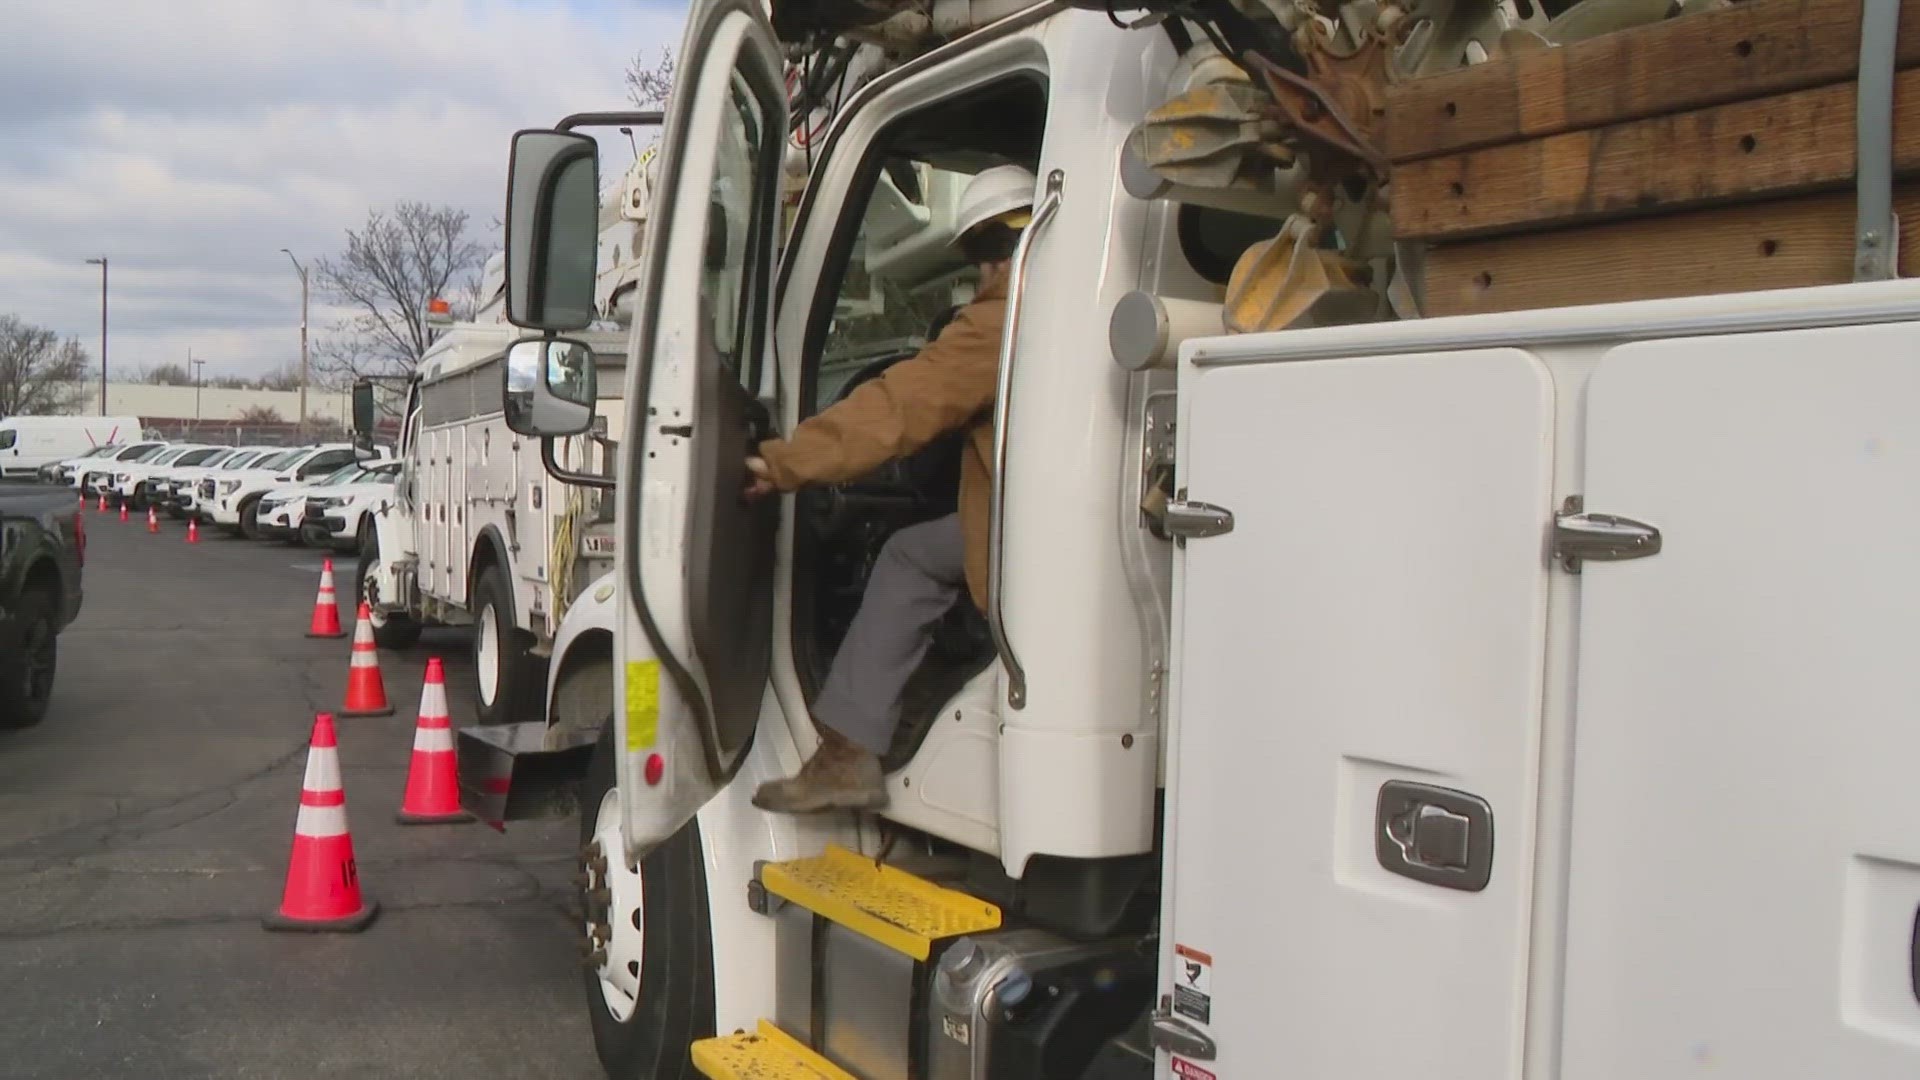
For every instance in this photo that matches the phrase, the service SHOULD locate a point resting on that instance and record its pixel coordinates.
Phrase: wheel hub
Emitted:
(613, 939)
(487, 660)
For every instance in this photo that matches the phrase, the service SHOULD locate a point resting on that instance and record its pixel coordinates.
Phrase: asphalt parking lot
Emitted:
(145, 827)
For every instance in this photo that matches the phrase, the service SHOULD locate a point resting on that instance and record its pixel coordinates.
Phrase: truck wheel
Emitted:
(139, 497)
(650, 986)
(26, 676)
(250, 518)
(390, 631)
(506, 680)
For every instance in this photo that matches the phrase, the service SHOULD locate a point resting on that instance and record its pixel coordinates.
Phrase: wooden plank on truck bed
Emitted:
(1764, 148)
(1756, 49)
(1778, 244)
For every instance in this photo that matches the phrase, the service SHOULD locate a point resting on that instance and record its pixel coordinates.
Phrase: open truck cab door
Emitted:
(695, 565)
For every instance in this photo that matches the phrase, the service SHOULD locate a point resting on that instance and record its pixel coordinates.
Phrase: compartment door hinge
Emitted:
(1176, 1036)
(1184, 519)
(1579, 536)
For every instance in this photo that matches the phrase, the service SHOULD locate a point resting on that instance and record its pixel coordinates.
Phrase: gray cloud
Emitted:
(189, 141)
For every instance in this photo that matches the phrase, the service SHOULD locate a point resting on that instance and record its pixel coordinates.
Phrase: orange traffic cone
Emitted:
(103, 502)
(123, 513)
(326, 609)
(366, 693)
(193, 535)
(323, 881)
(153, 521)
(433, 776)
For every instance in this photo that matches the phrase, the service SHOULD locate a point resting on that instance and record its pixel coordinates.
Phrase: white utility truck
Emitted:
(477, 532)
(1362, 693)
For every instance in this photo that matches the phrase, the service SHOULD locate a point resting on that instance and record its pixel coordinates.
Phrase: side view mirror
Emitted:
(550, 387)
(362, 419)
(553, 229)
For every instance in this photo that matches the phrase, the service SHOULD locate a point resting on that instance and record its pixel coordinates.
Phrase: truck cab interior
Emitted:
(892, 279)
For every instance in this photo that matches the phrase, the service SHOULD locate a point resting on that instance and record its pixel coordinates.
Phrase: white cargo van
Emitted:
(28, 442)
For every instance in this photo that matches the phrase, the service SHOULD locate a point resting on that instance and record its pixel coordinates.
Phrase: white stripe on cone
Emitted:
(321, 821)
(433, 739)
(433, 701)
(323, 770)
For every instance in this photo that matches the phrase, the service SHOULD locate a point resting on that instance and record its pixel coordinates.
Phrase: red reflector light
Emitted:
(656, 768)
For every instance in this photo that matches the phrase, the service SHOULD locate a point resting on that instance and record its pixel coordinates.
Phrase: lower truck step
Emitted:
(765, 1054)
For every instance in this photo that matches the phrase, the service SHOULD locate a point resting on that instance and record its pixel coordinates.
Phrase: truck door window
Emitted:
(730, 232)
(8, 438)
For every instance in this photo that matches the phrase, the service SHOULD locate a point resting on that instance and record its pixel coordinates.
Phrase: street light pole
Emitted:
(102, 262)
(199, 379)
(303, 339)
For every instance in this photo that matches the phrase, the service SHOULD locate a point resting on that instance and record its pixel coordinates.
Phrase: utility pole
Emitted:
(303, 339)
(199, 379)
(102, 262)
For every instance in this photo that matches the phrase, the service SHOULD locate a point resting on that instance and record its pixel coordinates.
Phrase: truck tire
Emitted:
(26, 673)
(507, 681)
(390, 631)
(650, 1035)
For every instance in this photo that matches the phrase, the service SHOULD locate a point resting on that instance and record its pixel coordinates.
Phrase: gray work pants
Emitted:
(920, 572)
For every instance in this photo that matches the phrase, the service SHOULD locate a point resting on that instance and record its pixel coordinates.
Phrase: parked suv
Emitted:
(233, 501)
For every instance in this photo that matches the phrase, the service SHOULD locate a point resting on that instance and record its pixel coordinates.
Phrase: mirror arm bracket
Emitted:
(554, 470)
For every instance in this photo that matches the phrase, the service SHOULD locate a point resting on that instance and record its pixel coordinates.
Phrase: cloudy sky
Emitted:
(190, 140)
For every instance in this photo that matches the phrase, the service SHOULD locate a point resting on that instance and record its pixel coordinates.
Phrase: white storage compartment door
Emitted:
(1373, 622)
(434, 490)
(1746, 807)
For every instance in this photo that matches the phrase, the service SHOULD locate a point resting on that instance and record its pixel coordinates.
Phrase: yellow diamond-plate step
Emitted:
(903, 912)
(767, 1054)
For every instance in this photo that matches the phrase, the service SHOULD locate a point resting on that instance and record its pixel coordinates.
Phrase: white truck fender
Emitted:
(593, 611)
(396, 545)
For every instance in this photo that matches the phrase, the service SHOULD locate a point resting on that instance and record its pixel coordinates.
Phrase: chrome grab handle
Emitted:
(1002, 409)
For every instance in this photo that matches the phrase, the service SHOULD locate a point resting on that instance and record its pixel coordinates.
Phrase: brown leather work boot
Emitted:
(841, 775)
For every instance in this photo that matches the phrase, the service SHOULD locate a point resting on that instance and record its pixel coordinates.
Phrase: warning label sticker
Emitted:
(1193, 984)
(1189, 1071)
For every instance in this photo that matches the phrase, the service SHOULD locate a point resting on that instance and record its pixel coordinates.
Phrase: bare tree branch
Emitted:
(392, 266)
(40, 375)
(650, 86)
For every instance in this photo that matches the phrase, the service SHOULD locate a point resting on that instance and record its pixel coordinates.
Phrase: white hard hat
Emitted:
(996, 193)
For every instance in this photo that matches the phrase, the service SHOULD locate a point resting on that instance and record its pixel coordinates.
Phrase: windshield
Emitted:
(8, 437)
(214, 458)
(98, 450)
(143, 452)
(243, 459)
(168, 456)
(276, 461)
(344, 475)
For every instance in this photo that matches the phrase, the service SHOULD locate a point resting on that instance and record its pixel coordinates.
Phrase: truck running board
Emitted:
(899, 910)
(515, 772)
(768, 1054)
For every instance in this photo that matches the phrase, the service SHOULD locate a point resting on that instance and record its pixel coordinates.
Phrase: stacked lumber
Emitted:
(1705, 154)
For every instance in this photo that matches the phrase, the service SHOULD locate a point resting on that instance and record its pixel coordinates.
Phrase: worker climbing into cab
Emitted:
(948, 386)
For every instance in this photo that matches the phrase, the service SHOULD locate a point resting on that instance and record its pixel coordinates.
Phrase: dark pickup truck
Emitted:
(43, 545)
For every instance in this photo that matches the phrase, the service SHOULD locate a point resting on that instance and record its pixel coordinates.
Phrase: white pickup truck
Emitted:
(232, 501)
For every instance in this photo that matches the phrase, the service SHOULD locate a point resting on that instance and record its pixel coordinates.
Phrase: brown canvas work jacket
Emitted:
(946, 386)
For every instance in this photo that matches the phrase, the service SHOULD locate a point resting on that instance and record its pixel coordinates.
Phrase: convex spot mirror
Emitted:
(553, 226)
(550, 387)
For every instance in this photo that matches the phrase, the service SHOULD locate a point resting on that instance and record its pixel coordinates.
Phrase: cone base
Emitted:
(452, 817)
(345, 924)
(384, 710)
(335, 634)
